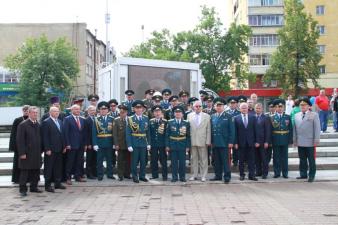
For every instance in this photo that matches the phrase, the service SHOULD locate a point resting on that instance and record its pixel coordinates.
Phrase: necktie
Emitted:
(78, 122)
(303, 116)
(245, 121)
(57, 124)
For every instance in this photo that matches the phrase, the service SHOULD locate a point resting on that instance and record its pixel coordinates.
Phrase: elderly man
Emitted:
(29, 148)
(200, 132)
(323, 106)
(306, 136)
(54, 147)
(75, 138)
(91, 155)
(246, 141)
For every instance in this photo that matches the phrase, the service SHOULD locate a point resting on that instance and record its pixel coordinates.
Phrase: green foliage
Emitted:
(296, 60)
(43, 66)
(219, 53)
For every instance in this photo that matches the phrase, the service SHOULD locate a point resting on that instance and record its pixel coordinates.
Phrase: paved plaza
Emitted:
(270, 202)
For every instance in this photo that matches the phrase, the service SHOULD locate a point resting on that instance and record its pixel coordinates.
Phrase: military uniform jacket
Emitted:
(233, 113)
(137, 132)
(129, 106)
(281, 129)
(102, 134)
(169, 114)
(209, 111)
(178, 135)
(119, 132)
(222, 130)
(148, 103)
(157, 132)
(306, 130)
(165, 104)
(114, 114)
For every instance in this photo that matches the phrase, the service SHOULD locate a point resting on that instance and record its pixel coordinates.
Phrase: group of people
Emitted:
(204, 130)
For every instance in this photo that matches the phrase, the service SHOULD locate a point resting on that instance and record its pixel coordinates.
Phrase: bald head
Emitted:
(243, 107)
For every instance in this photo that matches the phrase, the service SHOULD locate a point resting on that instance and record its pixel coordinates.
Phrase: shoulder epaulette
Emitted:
(164, 119)
(171, 120)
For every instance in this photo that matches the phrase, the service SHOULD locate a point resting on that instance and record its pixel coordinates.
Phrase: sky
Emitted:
(126, 20)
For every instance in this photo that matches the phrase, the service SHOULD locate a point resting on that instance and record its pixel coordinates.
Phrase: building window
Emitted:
(321, 29)
(264, 40)
(322, 69)
(266, 2)
(259, 60)
(321, 49)
(320, 10)
(266, 20)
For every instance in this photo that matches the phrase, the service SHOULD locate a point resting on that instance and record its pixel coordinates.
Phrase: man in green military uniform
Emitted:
(113, 103)
(222, 138)
(123, 155)
(148, 98)
(203, 98)
(281, 139)
(102, 136)
(157, 128)
(184, 97)
(166, 94)
(129, 102)
(173, 100)
(210, 105)
(138, 141)
(178, 142)
(269, 114)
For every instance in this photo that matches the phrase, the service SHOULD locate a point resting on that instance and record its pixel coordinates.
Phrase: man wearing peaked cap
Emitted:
(93, 98)
(166, 93)
(103, 105)
(190, 106)
(113, 104)
(156, 107)
(184, 97)
(130, 99)
(203, 96)
(219, 101)
(242, 98)
(169, 114)
(210, 105)
(306, 136)
(148, 98)
(178, 142)
(281, 138)
(138, 103)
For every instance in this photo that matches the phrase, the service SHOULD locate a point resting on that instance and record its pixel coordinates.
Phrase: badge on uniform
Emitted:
(161, 128)
(183, 131)
(287, 122)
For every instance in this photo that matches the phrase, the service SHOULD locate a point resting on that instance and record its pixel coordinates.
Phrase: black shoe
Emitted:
(226, 181)
(100, 178)
(153, 178)
(127, 177)
(90, 177)
(49, 189)
(183, 180)
(111, 177)
(135, 180)
(264, 177)
(36, 190)
(311, 179)
(144, 179)
(164, 179)
(276, 176)
(300, 178)
(173, 180)
(60, 187)
(253, 178)
(258, 174)
(285, 177)
(241, 177)
(120, 178)
(23, 194)
(215, 179)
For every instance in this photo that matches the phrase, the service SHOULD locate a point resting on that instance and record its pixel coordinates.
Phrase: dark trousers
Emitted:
(280, 160)
(247, 154)
(113, 157)
(158, 154)
(123, 163)
(222, 163)
(64, 167)
(323, 117)
(91, 157)
(104, 153)
(262, 163)
(15, 170)
(307, 160)
(31, 176)
(74, 163)
(178, 163)
(138, 156)
(235, 157)
(53, 169)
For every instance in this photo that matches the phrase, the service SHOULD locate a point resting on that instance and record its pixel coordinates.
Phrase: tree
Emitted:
(297, 59)
(45, 68)
(219, 52)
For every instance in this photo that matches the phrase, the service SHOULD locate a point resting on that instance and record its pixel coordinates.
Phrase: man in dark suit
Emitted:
(90, 152)
(75, 138)
(54, 147)
(29, 148)
(246, 141)
(263, 139)
(13, 144)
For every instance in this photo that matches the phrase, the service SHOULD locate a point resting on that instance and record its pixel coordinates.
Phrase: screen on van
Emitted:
(142, 78)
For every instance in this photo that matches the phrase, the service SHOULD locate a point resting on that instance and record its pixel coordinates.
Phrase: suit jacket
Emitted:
(306, 132)
(263, 129)
(89, 126)
(29, 143)
(12, 138)
(74, 137)
(200, 134)
(52, 137)
(246, 136)
(119, 132)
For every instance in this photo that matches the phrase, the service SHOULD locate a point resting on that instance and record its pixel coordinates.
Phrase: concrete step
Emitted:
(323, 163)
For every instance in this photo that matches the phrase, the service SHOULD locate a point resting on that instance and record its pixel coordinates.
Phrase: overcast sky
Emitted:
(127, 16)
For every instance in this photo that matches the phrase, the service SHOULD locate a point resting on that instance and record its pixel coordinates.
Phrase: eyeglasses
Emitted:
(198, 106)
